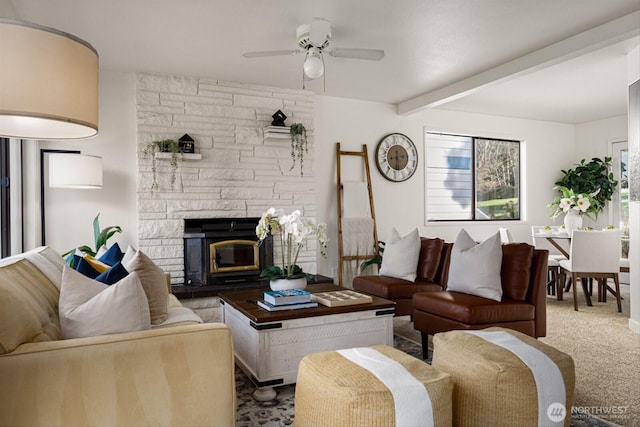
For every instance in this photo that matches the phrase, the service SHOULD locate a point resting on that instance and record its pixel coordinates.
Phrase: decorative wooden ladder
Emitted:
(341, 256)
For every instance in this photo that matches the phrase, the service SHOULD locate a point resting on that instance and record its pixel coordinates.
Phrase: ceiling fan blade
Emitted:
(271, 53)
(320, 31)
(355, 53)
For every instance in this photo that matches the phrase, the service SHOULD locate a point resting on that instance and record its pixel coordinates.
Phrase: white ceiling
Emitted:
(434, 48)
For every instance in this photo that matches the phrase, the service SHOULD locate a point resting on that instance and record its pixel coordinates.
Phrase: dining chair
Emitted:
(594, 254)
(624, 268)
(555, 286)
(505, 235)
(624, 265)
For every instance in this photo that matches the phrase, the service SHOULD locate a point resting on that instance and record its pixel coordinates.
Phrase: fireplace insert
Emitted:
(220, 251)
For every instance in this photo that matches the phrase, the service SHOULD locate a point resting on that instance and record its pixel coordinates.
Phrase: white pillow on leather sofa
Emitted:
(401, 255)
(475, 268)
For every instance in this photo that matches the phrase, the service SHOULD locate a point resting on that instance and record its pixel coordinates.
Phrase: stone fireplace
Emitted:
(224, 251)
(241, 172)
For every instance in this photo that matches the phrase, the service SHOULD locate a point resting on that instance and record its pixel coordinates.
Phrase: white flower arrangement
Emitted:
(291, 230)
(569, 201)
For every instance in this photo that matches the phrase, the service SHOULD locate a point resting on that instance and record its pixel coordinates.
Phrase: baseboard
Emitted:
(634, 326)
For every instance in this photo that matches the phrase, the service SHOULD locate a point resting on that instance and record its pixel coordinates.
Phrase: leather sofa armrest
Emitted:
(538, 289)
(152, 377)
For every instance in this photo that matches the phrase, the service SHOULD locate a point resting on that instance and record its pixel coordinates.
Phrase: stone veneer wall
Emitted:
(241, 173)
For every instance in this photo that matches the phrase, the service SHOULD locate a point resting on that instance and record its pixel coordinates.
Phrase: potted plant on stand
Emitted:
(290, 231)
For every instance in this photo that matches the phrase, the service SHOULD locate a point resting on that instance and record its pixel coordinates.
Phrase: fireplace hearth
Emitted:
(224, 251)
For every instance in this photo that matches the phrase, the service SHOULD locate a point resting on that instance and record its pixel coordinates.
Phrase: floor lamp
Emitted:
(75, 171)
(70, 170)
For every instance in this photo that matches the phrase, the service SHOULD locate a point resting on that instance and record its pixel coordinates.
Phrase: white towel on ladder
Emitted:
(357, 239)
(355, 200)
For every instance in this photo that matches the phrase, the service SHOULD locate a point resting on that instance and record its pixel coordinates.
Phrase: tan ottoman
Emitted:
(392, 389)
(505, 378)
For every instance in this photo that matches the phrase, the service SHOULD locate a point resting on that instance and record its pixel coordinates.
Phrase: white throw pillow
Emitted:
(475, 268)
(400, 257)
(89, 308)
(128, 255)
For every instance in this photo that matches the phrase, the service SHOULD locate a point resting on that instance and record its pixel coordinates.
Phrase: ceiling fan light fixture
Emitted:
(313, 64)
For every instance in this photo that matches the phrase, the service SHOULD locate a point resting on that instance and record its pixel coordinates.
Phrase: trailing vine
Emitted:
(164, 146)
(298, 145)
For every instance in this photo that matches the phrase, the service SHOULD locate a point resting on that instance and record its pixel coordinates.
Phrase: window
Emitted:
(5, 230)
(472, 178)
(620, 202)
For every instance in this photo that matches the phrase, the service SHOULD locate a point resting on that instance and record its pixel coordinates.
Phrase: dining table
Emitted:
(555, 237)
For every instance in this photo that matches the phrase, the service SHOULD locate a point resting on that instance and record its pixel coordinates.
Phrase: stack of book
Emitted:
(278, 132)
(290, 299)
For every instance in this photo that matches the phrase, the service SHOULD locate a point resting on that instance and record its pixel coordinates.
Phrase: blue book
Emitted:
(289, 296)
(271, 307)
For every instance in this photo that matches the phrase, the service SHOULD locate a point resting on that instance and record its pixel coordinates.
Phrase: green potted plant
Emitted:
(164, 146)
(298, 145)
(100, 238)
(593, 178)
(376, 260)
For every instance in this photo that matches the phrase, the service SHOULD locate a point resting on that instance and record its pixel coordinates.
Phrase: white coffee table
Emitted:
(268, 346)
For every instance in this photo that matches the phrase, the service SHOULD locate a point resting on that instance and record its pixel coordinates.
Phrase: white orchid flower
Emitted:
(291, 231)
(566, 203)
(583, 203)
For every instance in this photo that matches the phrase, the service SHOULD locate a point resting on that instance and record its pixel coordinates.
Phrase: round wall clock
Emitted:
(396, 157)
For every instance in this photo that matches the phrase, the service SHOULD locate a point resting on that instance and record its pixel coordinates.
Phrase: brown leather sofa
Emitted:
(433, 268)
(522, 308)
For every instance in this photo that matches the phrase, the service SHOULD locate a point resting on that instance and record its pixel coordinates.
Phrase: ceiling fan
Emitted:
(314, 39)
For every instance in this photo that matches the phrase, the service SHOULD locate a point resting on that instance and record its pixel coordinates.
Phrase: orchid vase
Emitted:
(285, 284)
(572, 221)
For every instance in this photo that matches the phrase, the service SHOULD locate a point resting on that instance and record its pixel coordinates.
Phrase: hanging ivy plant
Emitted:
(298, 145)
(164, 146)
(593, 177)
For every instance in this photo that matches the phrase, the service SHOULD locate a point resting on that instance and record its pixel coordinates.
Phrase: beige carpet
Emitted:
(606, 354)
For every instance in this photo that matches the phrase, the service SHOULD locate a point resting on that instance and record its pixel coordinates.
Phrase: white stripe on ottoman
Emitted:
(410, 397)
(547, 375)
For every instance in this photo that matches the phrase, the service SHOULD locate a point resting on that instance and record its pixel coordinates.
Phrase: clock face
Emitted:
(396, 157)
